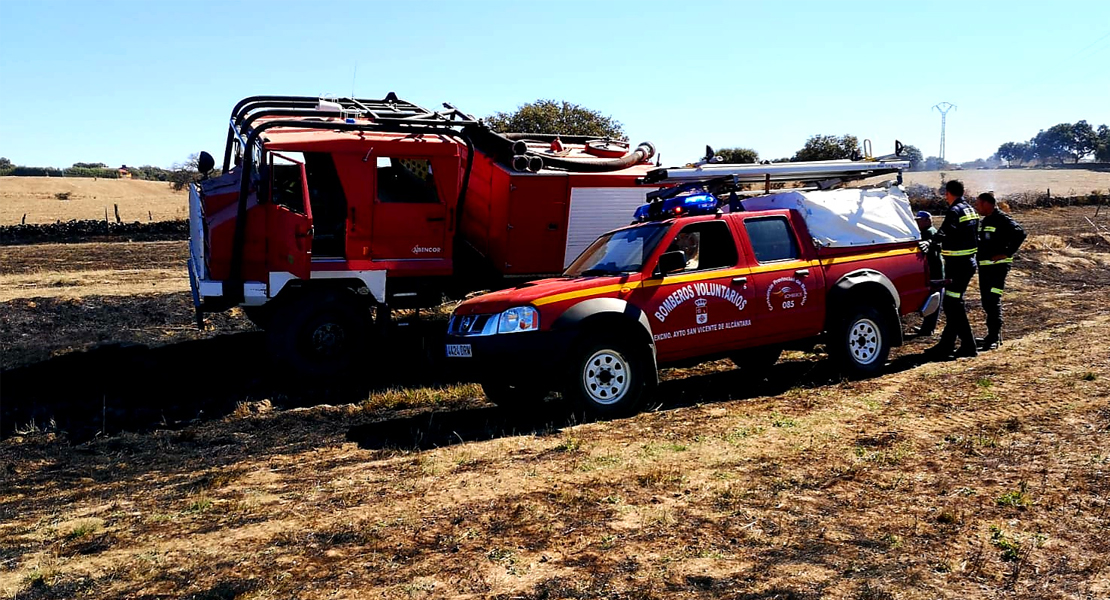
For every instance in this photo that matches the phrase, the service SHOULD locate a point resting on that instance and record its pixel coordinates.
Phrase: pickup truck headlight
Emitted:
(520, 318)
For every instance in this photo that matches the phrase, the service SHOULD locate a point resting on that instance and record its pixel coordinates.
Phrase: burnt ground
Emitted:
(975, 478)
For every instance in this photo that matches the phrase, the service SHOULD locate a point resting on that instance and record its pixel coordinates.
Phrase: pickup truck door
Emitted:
(788, 281)
(703, 308)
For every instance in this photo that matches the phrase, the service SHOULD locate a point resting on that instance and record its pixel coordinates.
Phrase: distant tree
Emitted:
(828, 147)
(1083, 141)
(1012, 152)
(1053, 143)
(89, 165)
(935, 163)
(1102, 153)
(738, 155)
(184, 173)
(556, 117)
(914, 155)
(5, 163)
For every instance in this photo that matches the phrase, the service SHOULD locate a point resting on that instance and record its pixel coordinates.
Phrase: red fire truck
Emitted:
(706, 274)
(330, 212)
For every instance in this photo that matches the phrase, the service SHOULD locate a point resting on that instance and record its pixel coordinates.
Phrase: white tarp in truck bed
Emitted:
(848, 217)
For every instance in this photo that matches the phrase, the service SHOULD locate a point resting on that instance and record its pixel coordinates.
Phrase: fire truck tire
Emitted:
(321, 334)
(756, 360)
(610, 377)
(261, 316)
(513, 397)
(860, 342)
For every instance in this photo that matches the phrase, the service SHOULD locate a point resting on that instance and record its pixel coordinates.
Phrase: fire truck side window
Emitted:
(406, 180)
(707, 245)
(771, 239)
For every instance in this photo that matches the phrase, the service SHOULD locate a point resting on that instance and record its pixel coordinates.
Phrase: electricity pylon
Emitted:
(943, 108)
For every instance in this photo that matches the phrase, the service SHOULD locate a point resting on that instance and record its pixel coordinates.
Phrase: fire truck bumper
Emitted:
(532, 357)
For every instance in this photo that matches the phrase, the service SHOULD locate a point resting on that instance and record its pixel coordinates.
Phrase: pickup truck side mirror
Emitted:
(672, 262)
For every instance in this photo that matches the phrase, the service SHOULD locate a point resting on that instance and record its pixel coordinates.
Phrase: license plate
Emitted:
(459, 350)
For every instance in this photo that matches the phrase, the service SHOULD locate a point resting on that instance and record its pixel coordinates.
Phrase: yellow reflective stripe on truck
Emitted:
(605, 289)
(855, 257)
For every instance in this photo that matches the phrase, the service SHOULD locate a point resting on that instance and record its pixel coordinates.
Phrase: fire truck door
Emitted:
(410, 215)
(288, 218)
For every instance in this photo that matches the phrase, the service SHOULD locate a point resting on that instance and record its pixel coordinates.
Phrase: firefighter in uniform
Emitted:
(999, 238)
(958, 239)
(936, 268)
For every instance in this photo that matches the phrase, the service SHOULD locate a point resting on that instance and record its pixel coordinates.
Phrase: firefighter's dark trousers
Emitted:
(992, 281)
(959, 270)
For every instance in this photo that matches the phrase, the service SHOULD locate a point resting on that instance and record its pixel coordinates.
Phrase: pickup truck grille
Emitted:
(472, 325)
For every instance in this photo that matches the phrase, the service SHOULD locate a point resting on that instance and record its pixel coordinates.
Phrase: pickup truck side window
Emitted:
(771, 239)
(406, 180)
(707, 245)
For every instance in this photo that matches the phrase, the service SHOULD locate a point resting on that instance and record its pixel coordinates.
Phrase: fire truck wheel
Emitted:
(513, 397)
(756, 360)
(610, 377)
(320, 334)
(261, 316)
(861, 342)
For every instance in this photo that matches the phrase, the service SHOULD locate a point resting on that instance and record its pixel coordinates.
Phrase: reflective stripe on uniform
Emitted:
(987, 263)
(967, 218)
(996, 291)
(988, 229)
(968, 252)
(952, 294)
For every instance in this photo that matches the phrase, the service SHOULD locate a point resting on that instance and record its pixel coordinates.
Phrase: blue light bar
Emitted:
(693, 204)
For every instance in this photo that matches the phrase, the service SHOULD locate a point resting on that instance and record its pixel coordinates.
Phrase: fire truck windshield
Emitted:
(617, 252)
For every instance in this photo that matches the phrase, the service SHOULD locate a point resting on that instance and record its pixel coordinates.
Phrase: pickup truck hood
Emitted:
(528, 293)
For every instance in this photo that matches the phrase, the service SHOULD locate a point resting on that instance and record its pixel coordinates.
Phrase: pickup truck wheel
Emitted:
(513, 397)
(861, 342)
(610, 378)
(320, 334)
(756, 360)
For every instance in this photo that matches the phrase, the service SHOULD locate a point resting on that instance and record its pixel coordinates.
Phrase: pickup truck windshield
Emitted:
(622, 251)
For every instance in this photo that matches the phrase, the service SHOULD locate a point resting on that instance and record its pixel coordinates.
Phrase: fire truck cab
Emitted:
(328, 213)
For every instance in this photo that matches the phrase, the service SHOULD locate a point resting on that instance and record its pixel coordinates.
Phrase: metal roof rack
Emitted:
(387, 114)
(831, 171)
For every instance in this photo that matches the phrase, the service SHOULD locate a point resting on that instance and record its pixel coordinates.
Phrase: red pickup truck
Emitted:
(684, 289)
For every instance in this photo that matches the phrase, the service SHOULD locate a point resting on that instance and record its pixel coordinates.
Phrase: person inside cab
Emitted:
(689, 243)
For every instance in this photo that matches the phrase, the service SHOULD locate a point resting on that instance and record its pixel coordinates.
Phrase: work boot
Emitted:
(989, 343)
(940, 351)
(920, 331)
(967, 351)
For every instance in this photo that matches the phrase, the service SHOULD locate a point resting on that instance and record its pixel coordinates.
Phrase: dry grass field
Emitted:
(88, 198)
(1004, 182)
(980, 478)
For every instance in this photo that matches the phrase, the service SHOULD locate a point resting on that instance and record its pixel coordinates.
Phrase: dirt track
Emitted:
(978, 478)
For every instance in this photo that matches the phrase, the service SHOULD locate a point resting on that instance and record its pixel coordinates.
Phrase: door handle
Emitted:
(740, 280)
(802, 272)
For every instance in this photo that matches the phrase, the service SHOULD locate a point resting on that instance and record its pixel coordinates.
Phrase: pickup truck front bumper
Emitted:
(533, 358)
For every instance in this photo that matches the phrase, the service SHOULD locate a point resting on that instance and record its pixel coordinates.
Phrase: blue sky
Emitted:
(151, 82)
